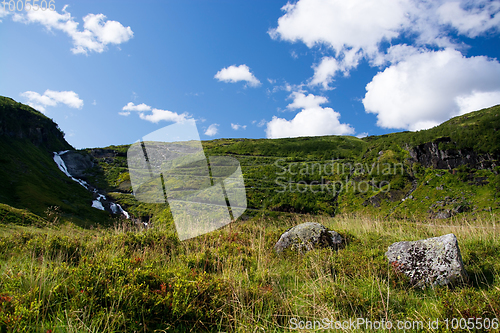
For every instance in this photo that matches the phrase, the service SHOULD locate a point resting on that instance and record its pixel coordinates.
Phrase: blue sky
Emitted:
(110, 72)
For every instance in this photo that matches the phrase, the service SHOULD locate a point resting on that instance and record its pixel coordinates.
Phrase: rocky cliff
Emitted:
(21, 122)
(429, 155)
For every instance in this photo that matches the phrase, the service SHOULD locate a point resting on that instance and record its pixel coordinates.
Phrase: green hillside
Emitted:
(29, 177)
(387, 175)
(58, 276)
(376, 175)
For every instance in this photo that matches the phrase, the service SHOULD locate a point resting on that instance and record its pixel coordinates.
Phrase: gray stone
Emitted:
(429, 155)
(307, 236)
(432, 261)
(444, 214)
(77, 163)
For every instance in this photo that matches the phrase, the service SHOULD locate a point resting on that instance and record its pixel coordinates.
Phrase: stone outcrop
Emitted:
(307, 236)
(432, 261)
(429, 155)
(77, 163)
(21, 122)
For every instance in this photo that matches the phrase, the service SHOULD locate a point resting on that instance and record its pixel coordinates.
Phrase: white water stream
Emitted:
(115, 208)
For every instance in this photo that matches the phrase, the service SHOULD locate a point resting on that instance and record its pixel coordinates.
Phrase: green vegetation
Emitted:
(68, 279)
(67, 267)
(31, 180)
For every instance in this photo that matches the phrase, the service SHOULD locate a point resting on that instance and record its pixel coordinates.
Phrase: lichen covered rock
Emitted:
(307, 236)
(432, 261)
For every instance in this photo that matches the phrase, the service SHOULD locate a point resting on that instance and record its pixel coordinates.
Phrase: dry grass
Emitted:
(128, 280)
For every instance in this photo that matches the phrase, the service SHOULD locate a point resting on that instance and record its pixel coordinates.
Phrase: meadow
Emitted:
(59, 277)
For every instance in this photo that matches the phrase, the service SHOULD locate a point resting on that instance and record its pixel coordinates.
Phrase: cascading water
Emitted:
(115, 208)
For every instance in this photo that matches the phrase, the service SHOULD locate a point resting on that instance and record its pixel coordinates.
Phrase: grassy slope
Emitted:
(286, 174)
(122, 280)
(126, 280)
(30, 178)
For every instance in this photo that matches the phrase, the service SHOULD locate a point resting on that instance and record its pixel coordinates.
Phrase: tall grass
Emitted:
(123, 279)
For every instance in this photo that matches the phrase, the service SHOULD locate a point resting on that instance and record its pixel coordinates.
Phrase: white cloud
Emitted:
(301, 101)
(477, 100)
(342, 25)
(479, 17)
(324, 72)
(237, 73)
(428, 88)
(52, 98)
(356, 28)
(159, 115)
(212, 130)
(237, 126)
(156, 115)
(312, 120)
(362, 135)
(132, 107)
(97, 32)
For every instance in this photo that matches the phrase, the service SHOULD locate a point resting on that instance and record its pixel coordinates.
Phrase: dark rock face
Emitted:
(429, 155)
(432, 261)
(21, 122)
(307, 236)
(77, 163)
(375, 201)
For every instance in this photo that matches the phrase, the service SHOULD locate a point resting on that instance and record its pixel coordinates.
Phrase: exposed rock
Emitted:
(429, 155)
(432, 261)
(461, 209)
(443, 214)
(375, 201)
(307, 236)
(74, 164)
(479, 181)
(77, 162)
(22, 122)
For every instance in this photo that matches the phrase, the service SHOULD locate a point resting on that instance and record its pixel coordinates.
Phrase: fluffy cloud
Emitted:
(159, 115)
(324, 72)
(212, 130)
(237, 73)
(479, 17)
(428, 88)
(420, 88)
(238, 126)
(132, 107)
(156, 115)
(342, 25)
(312, 120)
(301, 101)
(52, 98)
(355, 29)
(97, 32)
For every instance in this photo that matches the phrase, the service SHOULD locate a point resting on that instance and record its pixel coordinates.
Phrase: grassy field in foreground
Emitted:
(66, 279)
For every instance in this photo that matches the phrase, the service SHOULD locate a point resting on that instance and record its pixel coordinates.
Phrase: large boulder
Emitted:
(432, 261)
(307, 236)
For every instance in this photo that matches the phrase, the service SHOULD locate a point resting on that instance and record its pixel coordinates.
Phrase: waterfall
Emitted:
(115, 208)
